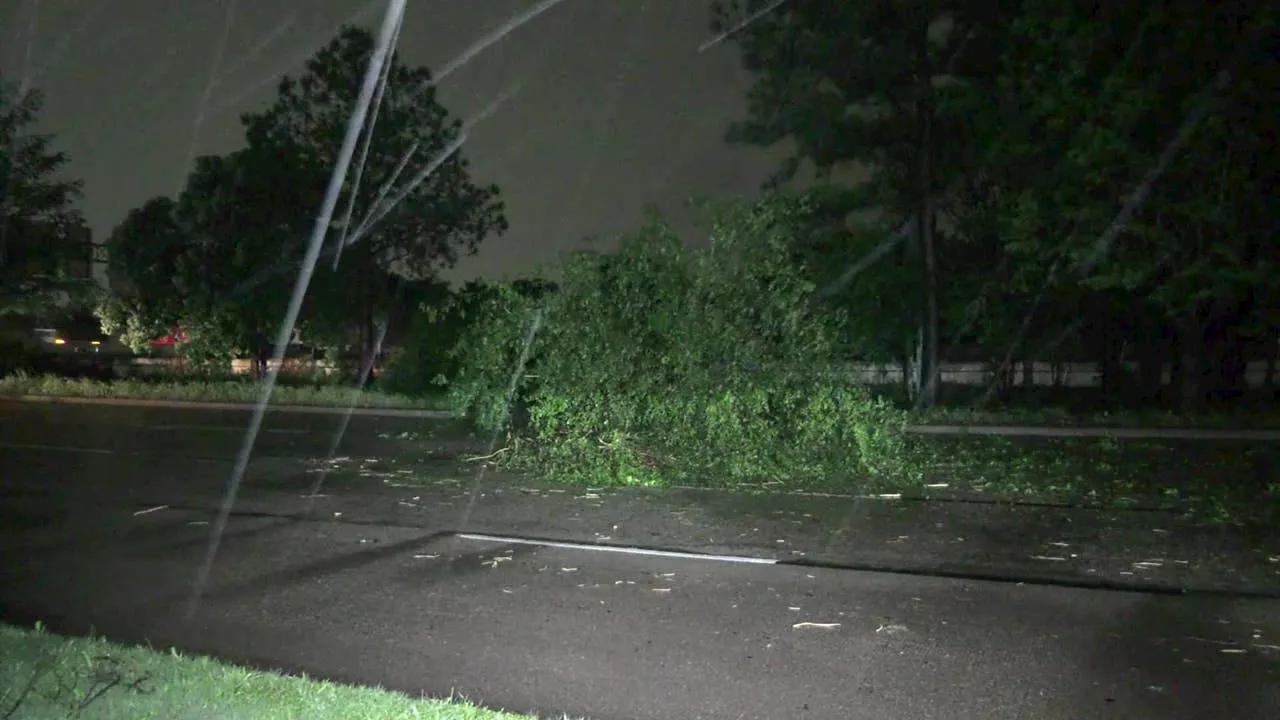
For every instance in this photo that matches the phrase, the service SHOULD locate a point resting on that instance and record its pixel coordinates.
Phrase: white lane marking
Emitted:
(151, 510)
(621, 549)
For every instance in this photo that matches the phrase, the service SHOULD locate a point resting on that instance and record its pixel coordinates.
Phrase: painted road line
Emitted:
(619, 549)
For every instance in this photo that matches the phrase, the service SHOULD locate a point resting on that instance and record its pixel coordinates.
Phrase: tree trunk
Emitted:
(367, 340)
(1190, 367)
(917, 365)
(929, 359)
(905, 363)
(1109, 360)
(1151, 357)
(1273, 353)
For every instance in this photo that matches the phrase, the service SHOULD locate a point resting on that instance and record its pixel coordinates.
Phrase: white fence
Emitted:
(1081, 375)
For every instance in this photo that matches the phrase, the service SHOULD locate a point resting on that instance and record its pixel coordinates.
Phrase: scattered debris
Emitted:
(891, 628)
(151, 510)
(815, 625)
(494, 561)
(1211, 642)
(478, 458)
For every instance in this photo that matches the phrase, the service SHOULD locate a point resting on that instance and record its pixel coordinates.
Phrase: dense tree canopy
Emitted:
(1098, 172)
(237, 231)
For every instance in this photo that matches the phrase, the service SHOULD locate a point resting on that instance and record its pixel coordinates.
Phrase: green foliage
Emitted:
(428, 225)
(660, 364)
(129, 323)
(487, 353)
(434, 327)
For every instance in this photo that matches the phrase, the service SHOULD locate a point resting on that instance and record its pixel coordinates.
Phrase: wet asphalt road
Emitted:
(564, 631)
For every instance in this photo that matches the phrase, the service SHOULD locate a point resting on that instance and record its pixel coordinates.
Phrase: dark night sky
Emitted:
(617, 107)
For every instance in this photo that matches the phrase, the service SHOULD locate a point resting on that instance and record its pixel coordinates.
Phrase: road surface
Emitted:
(549, 630)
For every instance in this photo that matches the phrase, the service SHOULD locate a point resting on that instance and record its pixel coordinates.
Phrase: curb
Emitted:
(1096, 432)
(241, 407)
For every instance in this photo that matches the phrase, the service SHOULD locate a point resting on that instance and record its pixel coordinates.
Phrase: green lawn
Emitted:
(48, 676)
(197, 390)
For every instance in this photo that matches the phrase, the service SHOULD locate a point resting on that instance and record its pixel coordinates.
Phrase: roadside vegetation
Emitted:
(650, 367)
(211, 389)
(46, 676)
(725, 363)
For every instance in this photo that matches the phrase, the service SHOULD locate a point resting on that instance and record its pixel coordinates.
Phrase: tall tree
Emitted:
(445, 215)
(41, 232)
(143, 253)
(855, 83)
(1123, 111)
(239, 215)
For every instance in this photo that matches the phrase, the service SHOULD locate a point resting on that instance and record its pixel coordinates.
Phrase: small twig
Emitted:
(490, 456)
(39, 672)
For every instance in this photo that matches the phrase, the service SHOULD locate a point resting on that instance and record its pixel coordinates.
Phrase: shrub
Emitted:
(661, 363)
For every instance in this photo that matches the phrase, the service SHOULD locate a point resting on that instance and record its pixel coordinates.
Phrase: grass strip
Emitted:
(197, 390)
(43, 675)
